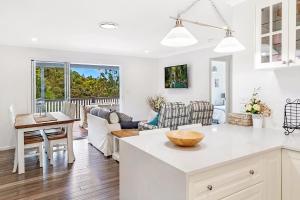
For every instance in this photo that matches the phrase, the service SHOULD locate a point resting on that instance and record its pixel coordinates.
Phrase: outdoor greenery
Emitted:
(105, 85)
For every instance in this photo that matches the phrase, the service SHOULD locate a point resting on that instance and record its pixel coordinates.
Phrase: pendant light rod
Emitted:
(219, 14)
(202, 24)
(187, 8)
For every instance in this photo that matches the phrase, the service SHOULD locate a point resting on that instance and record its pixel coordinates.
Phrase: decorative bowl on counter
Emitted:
(185, 138)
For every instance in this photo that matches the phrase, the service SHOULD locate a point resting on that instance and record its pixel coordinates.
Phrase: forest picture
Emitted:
(176, 77)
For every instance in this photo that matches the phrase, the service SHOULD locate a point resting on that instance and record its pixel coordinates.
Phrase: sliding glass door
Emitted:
(50, 85)
(82, 84)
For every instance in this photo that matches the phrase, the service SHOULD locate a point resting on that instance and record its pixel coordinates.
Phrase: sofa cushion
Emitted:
(154, 121)
(173, 114)
(100, 112)
(201, 112)
(123, 117)
(130, 125)
(113, 118)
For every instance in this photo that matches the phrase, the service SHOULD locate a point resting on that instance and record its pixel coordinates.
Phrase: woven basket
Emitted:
(240, 119)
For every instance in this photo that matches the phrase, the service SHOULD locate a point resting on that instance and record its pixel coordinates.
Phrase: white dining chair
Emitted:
(154, 131)
(193, 127)
(56, 139)
(32, 140)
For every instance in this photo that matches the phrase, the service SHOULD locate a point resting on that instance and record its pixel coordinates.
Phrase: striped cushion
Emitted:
(201, 112)
(173, 115)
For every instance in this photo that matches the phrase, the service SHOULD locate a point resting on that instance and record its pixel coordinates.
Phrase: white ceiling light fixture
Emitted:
(108, 25)
(229, 44)
(34, 39)
(179, 36)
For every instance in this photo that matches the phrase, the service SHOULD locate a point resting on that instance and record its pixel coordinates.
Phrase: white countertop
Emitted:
(222, 144)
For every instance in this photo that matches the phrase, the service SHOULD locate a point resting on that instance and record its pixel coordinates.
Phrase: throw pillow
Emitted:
(114, 118)
(154, 121)
(152, 114)
(100, 112)
(130, 125)
(123, 117)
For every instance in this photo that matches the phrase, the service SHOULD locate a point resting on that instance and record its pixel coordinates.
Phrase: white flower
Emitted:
(256, 107)
(248, 107)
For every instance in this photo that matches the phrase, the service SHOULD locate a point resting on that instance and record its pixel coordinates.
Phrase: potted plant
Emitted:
(156, 102)
(258, 109)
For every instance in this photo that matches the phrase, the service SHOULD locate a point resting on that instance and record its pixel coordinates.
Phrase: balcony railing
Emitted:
(57, 104)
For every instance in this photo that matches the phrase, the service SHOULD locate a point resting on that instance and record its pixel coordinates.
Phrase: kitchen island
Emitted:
(231, 162)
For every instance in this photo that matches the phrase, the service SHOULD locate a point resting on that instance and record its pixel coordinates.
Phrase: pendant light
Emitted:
(179, 36)
(229, 44)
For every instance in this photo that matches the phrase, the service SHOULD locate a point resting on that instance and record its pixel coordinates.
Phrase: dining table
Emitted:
(27, 122)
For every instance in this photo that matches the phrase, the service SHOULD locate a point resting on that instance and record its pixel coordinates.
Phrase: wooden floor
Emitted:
(92, 176)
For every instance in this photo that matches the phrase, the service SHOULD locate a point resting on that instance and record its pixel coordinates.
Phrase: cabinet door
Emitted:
(272, 180)
(294, 32)
(271, 34)
(290, 175)
(252, 193)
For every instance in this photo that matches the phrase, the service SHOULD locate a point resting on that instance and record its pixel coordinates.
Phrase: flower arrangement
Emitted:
(156, 102)
(256, 106)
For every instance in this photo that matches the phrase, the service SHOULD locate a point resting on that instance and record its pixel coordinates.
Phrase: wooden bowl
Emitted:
(185, 138)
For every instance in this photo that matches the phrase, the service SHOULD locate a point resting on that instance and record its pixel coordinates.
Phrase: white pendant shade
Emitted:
(229, 45)
(179, 36)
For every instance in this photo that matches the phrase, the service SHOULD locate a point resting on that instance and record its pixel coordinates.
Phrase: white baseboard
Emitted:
(6, 148)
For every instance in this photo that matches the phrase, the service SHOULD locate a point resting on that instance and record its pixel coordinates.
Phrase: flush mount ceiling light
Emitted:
(108, 25)
(179, 36)
(34, 39)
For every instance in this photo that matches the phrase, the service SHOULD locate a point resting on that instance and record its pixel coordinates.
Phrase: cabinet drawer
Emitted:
(224, 181)
(252, 193)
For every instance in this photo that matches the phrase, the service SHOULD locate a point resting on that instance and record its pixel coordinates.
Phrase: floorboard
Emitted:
(92, 176)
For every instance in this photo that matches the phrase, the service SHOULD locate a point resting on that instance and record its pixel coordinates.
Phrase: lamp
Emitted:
(229, 44)
(179, 36)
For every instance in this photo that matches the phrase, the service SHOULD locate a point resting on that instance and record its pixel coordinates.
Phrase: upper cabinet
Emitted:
(294, 32)
(277, 34)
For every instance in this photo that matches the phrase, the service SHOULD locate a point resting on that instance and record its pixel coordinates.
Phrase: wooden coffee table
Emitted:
(121, 134)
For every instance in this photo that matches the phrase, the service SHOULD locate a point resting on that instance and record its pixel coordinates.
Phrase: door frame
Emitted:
(228, 60)
(66, 67)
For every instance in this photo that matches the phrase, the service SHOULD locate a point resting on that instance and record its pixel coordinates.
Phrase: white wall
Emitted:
(276, 86)
(198, 74)
(138, 80)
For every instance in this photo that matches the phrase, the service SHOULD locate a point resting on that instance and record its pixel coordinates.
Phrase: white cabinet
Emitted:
(257, 178)
(252, 193)
(294, 32)
(290, 175)
(271, 34)
(277, 33)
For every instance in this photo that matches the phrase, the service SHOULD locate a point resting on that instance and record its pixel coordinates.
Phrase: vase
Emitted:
(257, 120)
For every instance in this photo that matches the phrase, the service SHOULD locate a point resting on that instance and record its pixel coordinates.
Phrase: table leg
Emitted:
(71, 156)
(20, 149)
(114, 144)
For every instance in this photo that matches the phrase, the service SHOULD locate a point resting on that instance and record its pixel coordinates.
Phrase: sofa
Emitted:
(100, 128)
(174, 114)
(99, 133)
(86, 109)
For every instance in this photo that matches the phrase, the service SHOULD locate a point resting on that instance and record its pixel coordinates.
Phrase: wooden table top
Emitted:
(27, 120)
(125, 133)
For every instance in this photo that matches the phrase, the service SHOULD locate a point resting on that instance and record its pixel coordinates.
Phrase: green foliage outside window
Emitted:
(104, 85)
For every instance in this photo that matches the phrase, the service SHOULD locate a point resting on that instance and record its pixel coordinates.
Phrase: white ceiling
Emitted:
(73, 24)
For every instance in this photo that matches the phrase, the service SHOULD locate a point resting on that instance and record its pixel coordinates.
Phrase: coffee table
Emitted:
(121, 134)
